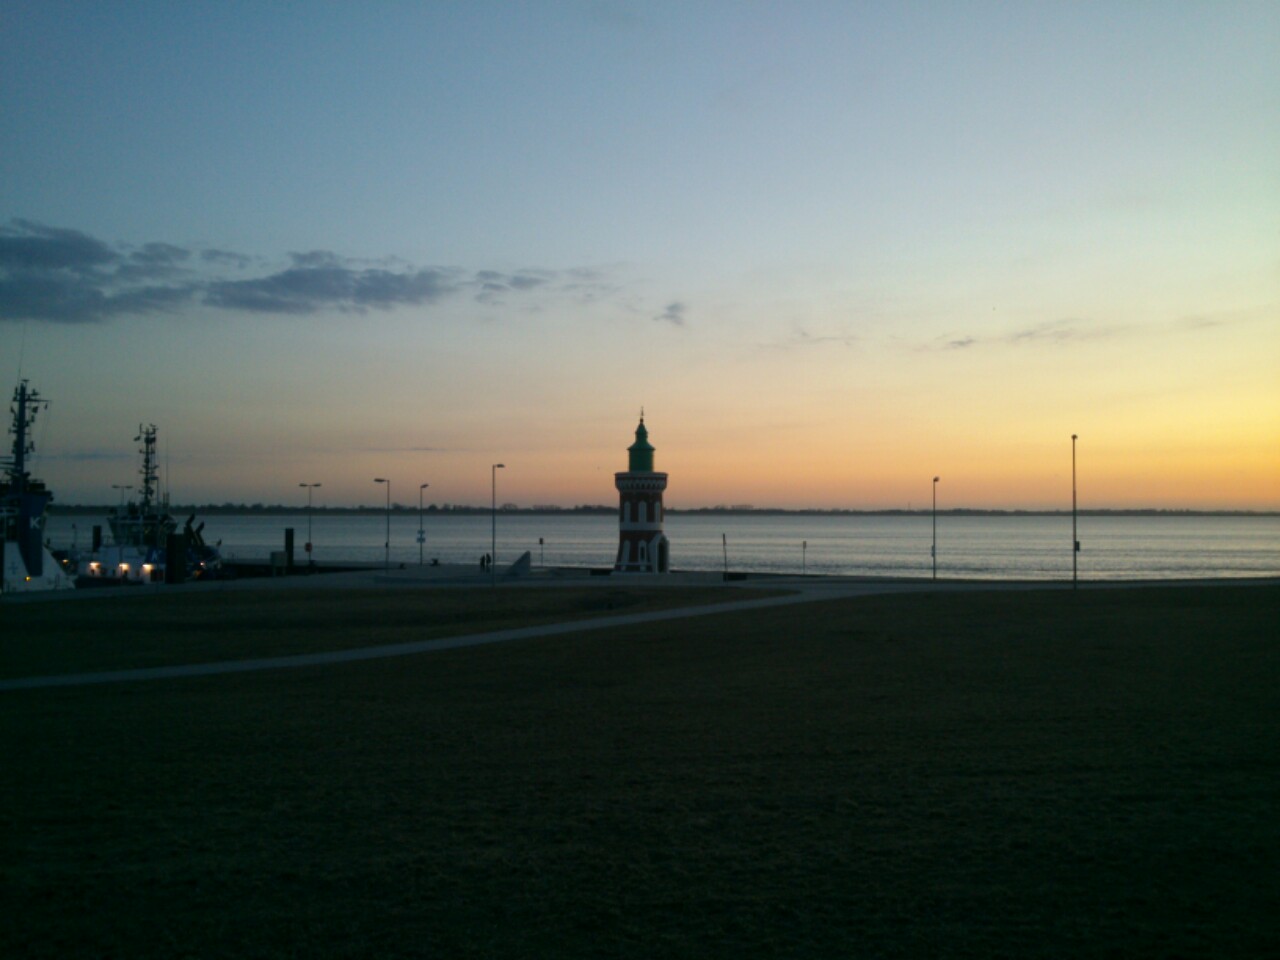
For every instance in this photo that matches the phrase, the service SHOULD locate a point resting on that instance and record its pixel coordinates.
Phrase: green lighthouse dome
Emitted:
(641, 459)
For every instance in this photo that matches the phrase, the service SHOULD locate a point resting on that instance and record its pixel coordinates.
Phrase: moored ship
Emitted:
(145, 522)
(28, 564)
(145, 545)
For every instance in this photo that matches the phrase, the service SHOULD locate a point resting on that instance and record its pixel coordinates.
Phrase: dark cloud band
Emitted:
(59, 275)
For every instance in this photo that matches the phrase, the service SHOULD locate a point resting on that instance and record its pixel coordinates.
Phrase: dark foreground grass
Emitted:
(155, 629)
(1013, 775)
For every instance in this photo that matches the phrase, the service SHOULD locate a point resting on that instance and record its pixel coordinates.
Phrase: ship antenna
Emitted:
(22, 349)
(44, 434)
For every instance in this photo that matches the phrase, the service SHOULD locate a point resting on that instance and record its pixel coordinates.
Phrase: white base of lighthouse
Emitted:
(642, 546)
(651, 556)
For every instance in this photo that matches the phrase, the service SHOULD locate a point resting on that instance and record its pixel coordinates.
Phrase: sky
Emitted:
(833, 250)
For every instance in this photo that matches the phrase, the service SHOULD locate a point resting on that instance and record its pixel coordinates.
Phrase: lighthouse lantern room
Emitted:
(642, 546)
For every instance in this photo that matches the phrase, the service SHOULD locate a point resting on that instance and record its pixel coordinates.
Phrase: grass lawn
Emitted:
(1034, 774)
(155, 628)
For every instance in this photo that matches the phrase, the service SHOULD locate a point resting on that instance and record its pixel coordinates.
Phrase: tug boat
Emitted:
(144, 523)
(145, 545)
(28, 563)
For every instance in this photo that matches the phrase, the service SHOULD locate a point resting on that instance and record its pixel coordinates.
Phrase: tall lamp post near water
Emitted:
(1075, 542)
(422, 534)
(935, 527)
(493, 543)
(310, 486)
(387, 545)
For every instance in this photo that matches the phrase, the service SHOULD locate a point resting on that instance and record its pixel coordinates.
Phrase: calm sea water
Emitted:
(1022, 547)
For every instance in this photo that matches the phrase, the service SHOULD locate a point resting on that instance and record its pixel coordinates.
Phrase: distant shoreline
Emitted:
(227, 509)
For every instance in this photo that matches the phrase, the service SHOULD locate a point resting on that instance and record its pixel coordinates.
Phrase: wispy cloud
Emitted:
(1059, 331)
(673, 314)
(1072, 331)
(1062, 331)
(492, 285)
(803, 337)
(592, 284)
(800, 338)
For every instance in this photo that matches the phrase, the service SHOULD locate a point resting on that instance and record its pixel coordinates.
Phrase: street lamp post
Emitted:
(387, 545)
(804, 557)
(422, 534)
(935, 527)
(1075, 541)
(493, 543)
(310, 486)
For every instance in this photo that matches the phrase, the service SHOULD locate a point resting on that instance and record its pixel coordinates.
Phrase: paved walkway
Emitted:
(806, 590)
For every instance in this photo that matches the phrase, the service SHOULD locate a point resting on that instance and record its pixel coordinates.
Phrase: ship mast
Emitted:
(149, 473)
(26, 404)
(22, 499)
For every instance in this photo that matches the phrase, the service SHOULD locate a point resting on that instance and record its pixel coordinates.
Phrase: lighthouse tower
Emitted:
(642, 546)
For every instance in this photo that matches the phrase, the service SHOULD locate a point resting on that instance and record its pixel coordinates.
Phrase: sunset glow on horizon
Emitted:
(832, 250)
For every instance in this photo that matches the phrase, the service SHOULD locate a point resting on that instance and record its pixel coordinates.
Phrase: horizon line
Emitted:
(227, 507)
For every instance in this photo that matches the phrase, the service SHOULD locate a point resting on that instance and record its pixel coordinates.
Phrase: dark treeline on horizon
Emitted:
(214, 509)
